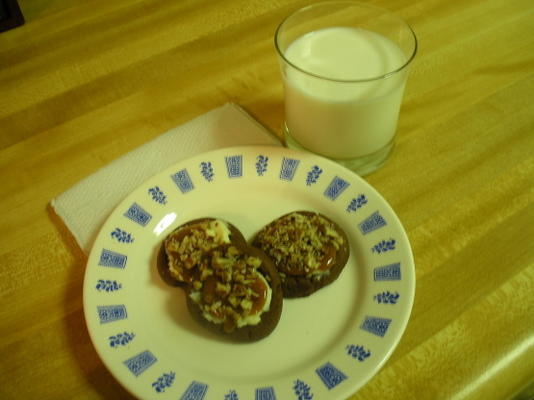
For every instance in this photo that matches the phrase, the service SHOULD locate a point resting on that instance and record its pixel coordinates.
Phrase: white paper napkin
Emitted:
(84, 207)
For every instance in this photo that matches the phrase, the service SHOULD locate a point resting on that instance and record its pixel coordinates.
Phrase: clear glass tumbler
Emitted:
(344, 66)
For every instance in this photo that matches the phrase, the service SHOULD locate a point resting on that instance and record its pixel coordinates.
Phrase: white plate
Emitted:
(326, 346)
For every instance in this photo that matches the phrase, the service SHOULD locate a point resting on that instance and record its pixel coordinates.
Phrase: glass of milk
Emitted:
(344, 67)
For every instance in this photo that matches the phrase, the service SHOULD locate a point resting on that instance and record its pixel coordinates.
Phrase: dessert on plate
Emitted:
(231, 288)
(308, 249)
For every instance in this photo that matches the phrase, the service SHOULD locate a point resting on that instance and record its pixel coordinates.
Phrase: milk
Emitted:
(338, 117)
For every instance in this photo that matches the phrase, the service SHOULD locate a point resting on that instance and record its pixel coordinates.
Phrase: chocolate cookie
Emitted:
(308, 249)
(232, 289)
(191, 240)
(241, 295)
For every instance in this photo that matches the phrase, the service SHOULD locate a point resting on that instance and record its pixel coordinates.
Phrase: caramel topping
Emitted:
(260, 294)
(234, 293)
(301, 244)
(223, 279)
(186, 247)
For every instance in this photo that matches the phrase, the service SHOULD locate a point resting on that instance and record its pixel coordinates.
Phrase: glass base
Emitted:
(363, 165)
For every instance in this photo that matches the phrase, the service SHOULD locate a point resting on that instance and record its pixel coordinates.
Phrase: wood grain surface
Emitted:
(85, 81)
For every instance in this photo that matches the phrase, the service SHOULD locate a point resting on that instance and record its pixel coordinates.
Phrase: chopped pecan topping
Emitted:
(236, 293)
(301, 244)
(223, 280)
(186, 248)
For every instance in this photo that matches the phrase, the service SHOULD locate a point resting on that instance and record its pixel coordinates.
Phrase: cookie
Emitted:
(308, 249)
(232, 289)
(241, 296)
(191, 240)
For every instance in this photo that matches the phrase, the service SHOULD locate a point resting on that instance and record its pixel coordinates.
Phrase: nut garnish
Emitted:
(186, 247)
(301, 245)
(236, 294)
(222, 279)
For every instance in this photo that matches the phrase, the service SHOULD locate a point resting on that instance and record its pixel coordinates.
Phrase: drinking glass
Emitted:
(344, 67)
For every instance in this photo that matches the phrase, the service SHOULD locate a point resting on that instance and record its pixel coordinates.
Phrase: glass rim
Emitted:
(353, 3)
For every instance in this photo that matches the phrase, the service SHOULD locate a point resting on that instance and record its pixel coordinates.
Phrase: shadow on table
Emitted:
(90, 366)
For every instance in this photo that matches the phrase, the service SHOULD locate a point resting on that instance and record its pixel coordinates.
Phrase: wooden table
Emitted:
(83, 82)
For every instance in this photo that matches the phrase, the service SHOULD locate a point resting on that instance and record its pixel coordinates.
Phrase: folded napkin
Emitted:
(84, 207)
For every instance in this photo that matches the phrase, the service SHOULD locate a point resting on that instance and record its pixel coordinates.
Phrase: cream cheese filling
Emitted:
(216, 229)
(253, 319)
(219, 231)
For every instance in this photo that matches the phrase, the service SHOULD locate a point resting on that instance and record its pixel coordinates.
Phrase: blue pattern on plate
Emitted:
(384, 246)
(302, 390)
(336, 187)
(330, 375)
(372, 223)
(391, 272)
(357, 352)
(313, 175)
(289, 167)
(234, 166)
(122, 236)
(356, 203)
(195, 391)
(110, 258)
(157, 195)
(163, 382)
(107, 285)
(111, 313)
(231, 395)
(265, 393)
(183, 181)
(140, 363)
(262, 164)
(376, 325)
(206, 169)
(121, 339)
(386, 297)
(137, 214)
